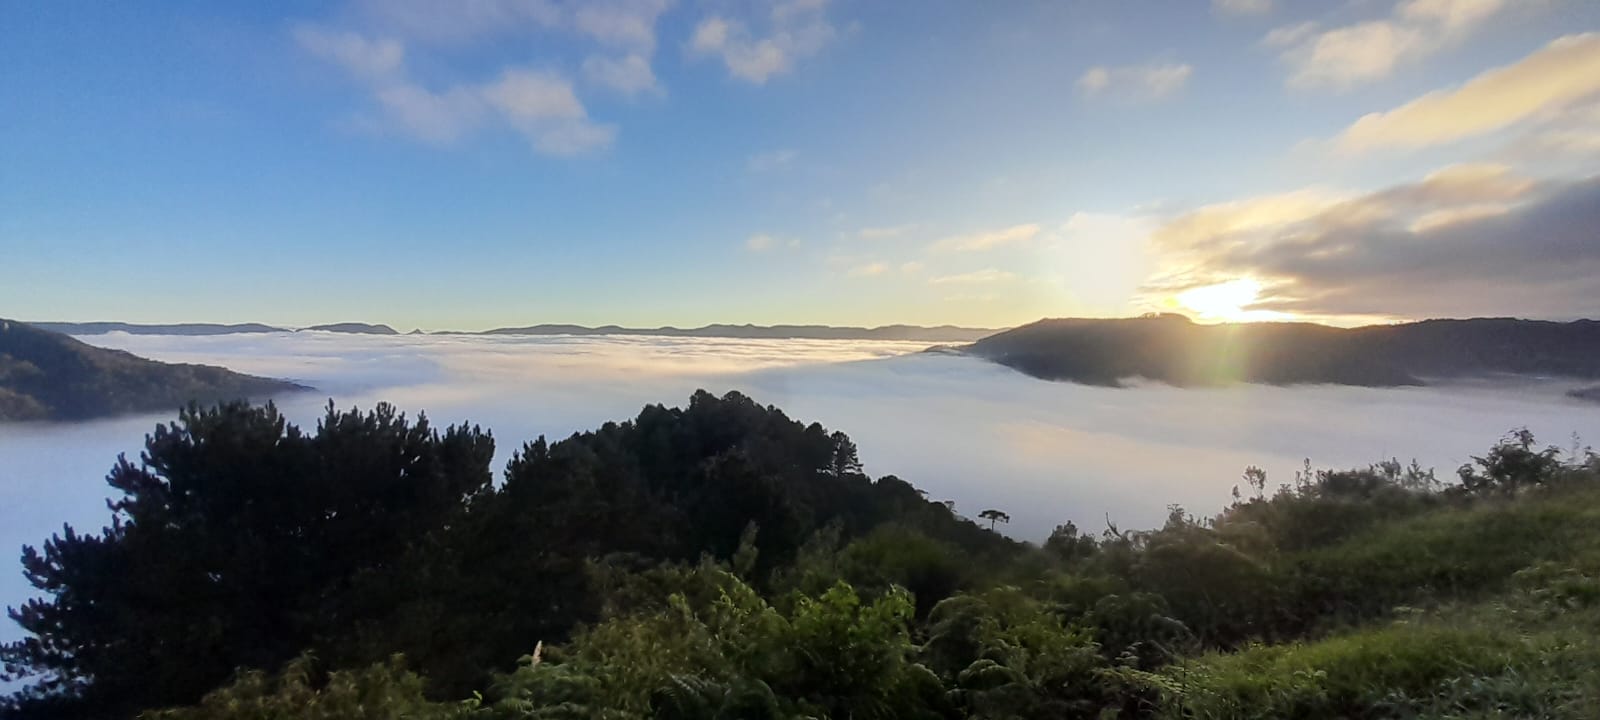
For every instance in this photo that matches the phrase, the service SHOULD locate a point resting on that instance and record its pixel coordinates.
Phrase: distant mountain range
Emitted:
(1172, 349)
(101, 328)
(940, 334)
(46, 375)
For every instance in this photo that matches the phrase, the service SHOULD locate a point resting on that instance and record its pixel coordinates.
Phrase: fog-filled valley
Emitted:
(961, 428)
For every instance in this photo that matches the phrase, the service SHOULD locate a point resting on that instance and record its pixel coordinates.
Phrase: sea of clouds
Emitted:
(960, 428)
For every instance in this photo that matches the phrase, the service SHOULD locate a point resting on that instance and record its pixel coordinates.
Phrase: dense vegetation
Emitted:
(45, 375)
(1174, 350)
(724, 561)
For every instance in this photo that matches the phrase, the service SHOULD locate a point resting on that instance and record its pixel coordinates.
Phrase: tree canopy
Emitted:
(721, 560)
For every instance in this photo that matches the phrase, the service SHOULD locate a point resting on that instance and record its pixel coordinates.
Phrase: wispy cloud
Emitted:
(629, 75)
(1435, 247)
(884, 232)
(988, 240)
(1150, 81)
(1287, 35)
(541, 104)
(976, 277)
(868, 270)
(795, 29)
(771, 160)
(1350, 55)
(762, 242)
(1553, 79)
(1242, 7)
(370, 59)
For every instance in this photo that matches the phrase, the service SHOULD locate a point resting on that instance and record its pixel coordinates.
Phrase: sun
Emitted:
(1224, 302)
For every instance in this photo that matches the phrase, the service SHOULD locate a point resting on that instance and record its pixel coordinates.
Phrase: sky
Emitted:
(483, 163)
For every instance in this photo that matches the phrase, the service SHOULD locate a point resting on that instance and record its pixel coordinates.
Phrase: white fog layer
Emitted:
(960, 428)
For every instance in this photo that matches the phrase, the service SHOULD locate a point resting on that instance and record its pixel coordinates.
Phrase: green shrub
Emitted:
(1376, 673)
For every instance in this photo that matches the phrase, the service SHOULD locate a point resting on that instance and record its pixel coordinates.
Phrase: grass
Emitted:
(1468, 552)
(1498, 617)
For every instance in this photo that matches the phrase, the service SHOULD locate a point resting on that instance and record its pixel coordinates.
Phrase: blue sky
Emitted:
(496, 162)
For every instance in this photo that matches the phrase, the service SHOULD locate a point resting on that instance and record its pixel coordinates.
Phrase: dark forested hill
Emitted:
(357, 328)
(1172, 349)
(242, 541)
(101, 328)
(46, 375)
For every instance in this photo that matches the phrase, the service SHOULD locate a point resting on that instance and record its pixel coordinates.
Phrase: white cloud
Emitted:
(540, 105)
(1346, 56)
(771, 160)
(1286, 35)
(1556, 77)
(912, 267)
(359, 56)
(1242, 7)
(1470, 239)
(868, 270)
(1150, 81)
(988, 240)
(628, 75)
(525, 95)
(433, 117)
(796, 29)
(762, 242)
(627, 24)
(884, 232)
(453, 23)
(976, 277)
(1095, 79)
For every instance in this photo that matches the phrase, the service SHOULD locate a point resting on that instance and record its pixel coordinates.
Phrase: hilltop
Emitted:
(356, 328)
(1175, 350)
(46, 375)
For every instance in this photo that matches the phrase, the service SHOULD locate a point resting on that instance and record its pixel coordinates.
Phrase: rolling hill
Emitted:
(101, 328)
(1174, 350)
(46, 375)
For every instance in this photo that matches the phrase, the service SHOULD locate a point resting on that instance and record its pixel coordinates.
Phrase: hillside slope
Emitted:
(46, 375)
(1172, 349)
(356, 328)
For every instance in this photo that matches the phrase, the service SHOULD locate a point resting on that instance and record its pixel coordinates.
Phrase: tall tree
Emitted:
(235, 543)
(993, 516)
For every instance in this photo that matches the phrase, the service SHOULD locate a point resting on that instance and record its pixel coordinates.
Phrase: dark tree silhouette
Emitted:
(994, 516)
(234, 544)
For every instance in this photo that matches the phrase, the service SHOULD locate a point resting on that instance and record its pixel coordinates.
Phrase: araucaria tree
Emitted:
(994, 516)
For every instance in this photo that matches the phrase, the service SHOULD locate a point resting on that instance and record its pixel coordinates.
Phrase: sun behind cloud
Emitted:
(1226, 302)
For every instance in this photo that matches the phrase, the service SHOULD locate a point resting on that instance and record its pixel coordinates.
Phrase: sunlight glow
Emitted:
(1225, 302)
